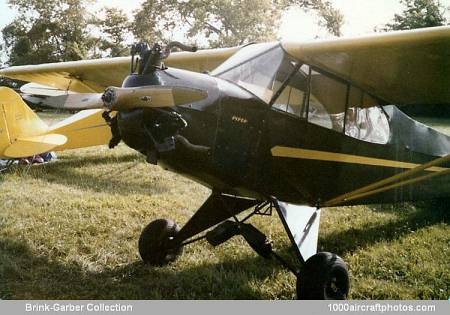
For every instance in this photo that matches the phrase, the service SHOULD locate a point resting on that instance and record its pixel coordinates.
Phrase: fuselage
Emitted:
(236, 142)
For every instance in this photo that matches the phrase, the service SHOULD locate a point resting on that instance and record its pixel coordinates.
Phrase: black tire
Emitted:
(155, 247)
(323, 277)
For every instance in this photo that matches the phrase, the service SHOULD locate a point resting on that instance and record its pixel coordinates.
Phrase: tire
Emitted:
(154, 243)
(323, 277)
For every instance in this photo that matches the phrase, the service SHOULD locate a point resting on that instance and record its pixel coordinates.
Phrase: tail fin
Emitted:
(22, 132)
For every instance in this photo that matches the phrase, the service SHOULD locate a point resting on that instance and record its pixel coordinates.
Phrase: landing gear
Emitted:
(324, 276)
(156, 245)
(319, 276)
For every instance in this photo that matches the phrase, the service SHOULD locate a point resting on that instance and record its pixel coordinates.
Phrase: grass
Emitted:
(69, 230)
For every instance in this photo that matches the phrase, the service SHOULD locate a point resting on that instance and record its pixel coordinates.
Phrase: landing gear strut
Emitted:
(321, 276)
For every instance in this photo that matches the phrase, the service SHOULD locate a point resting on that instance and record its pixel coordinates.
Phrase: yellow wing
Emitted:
(408, 67)
(88, 76)
(23, 133)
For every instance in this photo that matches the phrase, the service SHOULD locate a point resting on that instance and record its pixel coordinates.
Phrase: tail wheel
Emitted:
(323, 277)
(155, 243)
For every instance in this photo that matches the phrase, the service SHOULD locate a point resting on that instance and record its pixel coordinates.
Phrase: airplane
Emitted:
(24, 134)
(281, 127)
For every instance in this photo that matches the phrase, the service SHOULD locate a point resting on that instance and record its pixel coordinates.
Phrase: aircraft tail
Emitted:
(22, 132)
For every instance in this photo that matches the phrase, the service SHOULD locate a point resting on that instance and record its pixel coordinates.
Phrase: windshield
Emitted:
(259, 68)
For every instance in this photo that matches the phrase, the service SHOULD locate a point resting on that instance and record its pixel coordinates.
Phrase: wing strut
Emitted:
(391, 182)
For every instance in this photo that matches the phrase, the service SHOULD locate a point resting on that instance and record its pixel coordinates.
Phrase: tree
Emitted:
(153, 19)
(48, 31)
(331, 18)
(418, 14)
(224, 22)
(115, 26)
(229, 23)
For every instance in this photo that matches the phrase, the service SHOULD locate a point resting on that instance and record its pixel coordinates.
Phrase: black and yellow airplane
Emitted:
(277, 127)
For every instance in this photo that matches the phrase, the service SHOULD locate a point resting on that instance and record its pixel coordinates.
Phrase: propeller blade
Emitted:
(128, 98)
(151, 97)
(41, 90)
(77, 101)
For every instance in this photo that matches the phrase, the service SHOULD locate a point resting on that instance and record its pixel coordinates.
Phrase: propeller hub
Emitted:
(109, 97)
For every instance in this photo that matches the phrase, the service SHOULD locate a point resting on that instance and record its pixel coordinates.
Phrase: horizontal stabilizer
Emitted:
(30, 146)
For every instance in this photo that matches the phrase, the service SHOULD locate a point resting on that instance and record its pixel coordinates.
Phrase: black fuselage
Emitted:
(228, 145)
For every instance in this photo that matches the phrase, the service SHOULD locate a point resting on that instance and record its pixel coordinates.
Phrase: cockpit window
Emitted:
(257, 68)
(344, 108)
(327, 98)
(272, 75)
(368, 124)
(292, 98)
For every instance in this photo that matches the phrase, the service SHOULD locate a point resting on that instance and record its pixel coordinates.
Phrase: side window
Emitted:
(327, 102)
(292, 98)
(317, 114)
(332, 104)
(365, 120)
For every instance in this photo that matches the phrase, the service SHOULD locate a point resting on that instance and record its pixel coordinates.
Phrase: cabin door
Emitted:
(238, 137)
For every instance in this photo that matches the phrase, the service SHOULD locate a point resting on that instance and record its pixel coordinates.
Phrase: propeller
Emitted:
(151, 96)
(118, 99)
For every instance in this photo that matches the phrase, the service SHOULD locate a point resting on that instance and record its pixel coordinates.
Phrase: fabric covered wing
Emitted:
(408, 67)
(93, 76)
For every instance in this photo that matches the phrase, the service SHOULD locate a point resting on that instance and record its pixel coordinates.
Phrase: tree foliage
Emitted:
(48, 31)
(153, 19)
(331, 18)
(225, 22)
(115, 27)
(229, 23)
(418, 14)
(62, 30)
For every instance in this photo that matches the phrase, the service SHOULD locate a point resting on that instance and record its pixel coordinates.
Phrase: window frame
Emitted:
(304, 113)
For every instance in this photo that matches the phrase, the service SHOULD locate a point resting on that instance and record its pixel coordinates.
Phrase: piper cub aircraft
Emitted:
(277, 127)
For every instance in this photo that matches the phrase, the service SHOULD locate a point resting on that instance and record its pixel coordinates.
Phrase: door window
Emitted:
(293, 96)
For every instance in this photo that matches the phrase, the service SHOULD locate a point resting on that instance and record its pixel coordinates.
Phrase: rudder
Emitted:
(16, 119)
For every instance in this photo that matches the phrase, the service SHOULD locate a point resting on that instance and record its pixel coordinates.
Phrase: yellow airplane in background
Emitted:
(24, 134)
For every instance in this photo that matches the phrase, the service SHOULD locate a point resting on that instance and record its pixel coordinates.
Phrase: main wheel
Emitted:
(323, 277)
(155, 245)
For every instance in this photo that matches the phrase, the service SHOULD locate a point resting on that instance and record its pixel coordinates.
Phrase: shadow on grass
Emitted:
(25, 275)
(353, 238)
(78, 160)
(65, 172)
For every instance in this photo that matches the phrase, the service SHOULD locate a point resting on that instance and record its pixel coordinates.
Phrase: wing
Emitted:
(408, 67)
(91, 76)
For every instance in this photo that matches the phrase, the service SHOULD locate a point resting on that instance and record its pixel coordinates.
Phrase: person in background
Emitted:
(38, 159)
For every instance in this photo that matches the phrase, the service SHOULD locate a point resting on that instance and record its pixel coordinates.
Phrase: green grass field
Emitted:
(69, 230)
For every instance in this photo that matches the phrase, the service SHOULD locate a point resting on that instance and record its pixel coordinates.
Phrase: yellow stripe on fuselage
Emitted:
(297, 153)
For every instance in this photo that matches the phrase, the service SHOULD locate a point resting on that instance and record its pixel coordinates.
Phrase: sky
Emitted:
(360, 16)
